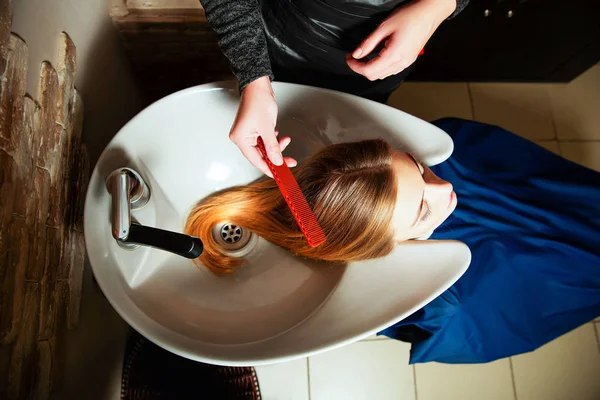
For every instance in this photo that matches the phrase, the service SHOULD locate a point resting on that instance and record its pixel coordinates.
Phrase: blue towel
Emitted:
(532, 222)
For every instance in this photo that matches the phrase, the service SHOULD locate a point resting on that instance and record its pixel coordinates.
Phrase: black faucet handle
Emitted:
(177, 243)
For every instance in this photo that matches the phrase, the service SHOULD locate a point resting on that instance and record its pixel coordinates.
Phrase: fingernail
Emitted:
(357, 53)
(277, 159)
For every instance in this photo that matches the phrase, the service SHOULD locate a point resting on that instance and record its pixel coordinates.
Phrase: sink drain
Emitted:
(231, 233)
(233, 239)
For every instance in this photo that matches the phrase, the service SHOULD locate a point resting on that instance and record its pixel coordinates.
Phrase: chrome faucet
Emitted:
(129, 192)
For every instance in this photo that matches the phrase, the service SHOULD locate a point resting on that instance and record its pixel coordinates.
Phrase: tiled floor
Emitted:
(564, 119)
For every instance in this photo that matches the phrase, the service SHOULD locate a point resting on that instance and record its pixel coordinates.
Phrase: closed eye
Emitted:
(424, 210)
(427, 213)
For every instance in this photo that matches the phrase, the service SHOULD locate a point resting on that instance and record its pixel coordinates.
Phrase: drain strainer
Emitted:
(231, 233)
(234, 239)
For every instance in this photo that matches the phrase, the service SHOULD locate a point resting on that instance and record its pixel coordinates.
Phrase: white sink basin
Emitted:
(278, 307)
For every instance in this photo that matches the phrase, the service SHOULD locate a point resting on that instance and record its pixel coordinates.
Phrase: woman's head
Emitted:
(424, 201)
(363, 195)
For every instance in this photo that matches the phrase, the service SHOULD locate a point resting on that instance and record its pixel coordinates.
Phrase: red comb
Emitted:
(295, 199)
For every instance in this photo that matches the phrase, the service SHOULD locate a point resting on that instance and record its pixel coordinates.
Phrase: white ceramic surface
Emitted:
(277, 307)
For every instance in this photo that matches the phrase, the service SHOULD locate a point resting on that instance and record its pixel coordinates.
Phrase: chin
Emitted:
(452, 205)
(448, 212)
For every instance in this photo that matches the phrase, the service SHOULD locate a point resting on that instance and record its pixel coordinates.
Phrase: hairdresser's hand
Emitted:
(257, 116)
(404, 34)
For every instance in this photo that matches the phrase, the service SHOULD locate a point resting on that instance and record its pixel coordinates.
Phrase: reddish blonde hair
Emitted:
(351, 188)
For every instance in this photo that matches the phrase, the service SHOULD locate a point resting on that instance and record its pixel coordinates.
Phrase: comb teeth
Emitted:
(295, 200)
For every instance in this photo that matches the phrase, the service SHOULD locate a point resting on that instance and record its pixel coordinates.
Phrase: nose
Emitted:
(438, 188)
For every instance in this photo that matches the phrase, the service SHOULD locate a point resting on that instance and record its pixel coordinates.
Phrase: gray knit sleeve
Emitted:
(241, 34)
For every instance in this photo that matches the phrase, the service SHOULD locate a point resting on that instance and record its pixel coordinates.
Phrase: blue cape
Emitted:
(532, 222)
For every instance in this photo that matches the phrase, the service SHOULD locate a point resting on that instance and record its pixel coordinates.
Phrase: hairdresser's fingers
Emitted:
(253, 155)
(400, 59)
(371, 42)
(284, 142)
(272, 147)
(372, 69)
(290, 162)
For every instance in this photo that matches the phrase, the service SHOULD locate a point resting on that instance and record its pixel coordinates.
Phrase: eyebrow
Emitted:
(423, 194)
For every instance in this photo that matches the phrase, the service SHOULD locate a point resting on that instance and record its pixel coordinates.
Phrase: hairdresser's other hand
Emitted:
(257, 116)
(404, 34)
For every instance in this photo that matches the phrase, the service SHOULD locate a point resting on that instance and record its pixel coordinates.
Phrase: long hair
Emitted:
(351, 187)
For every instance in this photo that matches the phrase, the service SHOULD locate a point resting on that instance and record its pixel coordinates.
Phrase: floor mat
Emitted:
(152, 373)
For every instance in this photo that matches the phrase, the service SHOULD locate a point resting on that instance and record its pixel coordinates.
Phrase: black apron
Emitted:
(308, 42)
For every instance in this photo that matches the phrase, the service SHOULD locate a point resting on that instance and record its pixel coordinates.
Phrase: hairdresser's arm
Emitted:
(239, 27)
(404, 33)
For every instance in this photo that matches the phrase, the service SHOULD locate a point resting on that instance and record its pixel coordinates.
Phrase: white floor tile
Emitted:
(584, 153)
(491, 381)
(551, 145)
(567, 368)
(575, 106)
(372, 370)
(287, 381)
(521, 108)
(431, 101)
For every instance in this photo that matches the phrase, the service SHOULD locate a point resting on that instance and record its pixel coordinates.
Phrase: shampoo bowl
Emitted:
(277, 307)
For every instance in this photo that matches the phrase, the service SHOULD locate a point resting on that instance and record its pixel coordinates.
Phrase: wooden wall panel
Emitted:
(44, 170)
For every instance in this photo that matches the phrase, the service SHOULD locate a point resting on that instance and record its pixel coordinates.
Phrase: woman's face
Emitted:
(424, 201)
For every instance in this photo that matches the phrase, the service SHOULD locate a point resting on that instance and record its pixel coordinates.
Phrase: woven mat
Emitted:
(150, 372)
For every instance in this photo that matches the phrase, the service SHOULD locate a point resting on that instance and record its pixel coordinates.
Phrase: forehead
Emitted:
(410, 191)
